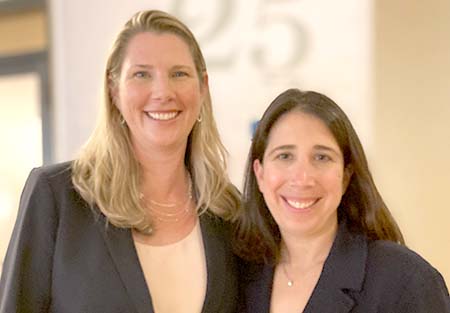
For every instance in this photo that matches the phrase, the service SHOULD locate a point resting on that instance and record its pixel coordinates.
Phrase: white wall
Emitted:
(254, 50)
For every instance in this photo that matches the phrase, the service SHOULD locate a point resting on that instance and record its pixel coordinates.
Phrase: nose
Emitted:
(302, 174)
(161, 90)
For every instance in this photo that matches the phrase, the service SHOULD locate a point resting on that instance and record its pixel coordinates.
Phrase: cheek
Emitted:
(131, 96)
(191, 94)
(335, 182)
(274, 179)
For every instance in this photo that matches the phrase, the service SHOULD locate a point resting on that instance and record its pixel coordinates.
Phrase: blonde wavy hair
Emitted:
(106, 172)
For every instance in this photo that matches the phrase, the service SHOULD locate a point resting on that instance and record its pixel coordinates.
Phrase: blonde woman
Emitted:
(137, 223)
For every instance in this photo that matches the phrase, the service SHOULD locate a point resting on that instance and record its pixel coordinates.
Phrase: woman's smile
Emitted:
(300, 205)
(163, 115)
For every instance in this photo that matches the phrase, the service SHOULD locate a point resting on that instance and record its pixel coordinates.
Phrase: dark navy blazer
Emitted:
(64, 257)
(360, 276)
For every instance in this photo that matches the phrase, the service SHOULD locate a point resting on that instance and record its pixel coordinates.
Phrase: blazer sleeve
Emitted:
(424, 292)
(26, 280)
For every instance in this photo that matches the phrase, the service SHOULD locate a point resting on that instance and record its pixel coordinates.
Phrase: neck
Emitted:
(304, 252)
(163, 172)
(164, 179)
(152, 157)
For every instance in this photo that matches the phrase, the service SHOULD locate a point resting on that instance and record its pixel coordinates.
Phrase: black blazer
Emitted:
(64, 257)
(360, 276)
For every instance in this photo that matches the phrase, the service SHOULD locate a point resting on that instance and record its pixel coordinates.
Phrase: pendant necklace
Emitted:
(290, 282)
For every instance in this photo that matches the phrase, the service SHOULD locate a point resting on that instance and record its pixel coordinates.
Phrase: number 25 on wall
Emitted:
(275, 29)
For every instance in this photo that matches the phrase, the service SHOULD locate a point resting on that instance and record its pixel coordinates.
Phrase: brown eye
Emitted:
(284, 156)
(322, 157)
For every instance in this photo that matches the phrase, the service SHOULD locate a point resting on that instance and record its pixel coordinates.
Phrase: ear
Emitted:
(205, 83)
(348, 172)
(258, 169)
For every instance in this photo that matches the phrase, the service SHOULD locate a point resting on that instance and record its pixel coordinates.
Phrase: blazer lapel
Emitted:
(121, 248)
(217, 266)
(259, 281)
(342, 274)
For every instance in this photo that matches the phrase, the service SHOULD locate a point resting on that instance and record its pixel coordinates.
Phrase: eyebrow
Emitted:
(326, 148)
(282, 147)
(142, 65)
(178, 66)
(292, 147)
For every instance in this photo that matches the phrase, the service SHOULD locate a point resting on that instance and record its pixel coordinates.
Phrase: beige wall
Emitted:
(411, 155)
(23, 32)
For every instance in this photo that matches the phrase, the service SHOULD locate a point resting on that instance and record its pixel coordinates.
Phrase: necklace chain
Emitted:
(165, 217)
(170, 216)
(290, 281)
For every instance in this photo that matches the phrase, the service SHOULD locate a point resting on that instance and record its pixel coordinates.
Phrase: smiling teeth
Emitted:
(162, 116)
(300, 205)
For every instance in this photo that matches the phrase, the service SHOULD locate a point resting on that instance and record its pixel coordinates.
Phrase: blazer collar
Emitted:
(342, 274)
(123, 253)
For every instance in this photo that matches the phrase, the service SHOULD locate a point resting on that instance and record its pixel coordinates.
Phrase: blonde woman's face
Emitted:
(302, 175)
(159, 92)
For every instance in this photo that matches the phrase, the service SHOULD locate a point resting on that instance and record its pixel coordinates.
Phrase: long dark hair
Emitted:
(257, 236)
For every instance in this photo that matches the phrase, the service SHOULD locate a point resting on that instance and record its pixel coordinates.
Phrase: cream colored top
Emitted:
(176, 273)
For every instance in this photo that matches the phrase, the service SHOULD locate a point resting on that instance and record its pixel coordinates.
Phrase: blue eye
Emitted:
(180, 74)
(141, 74)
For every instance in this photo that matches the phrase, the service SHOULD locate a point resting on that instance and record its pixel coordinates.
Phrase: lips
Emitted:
(163, 116)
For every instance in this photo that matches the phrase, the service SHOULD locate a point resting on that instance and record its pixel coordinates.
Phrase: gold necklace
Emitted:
(170, 216)
(174, 204)
(164, 205)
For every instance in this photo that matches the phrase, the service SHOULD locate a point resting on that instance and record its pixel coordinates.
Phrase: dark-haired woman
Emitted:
(315, 231)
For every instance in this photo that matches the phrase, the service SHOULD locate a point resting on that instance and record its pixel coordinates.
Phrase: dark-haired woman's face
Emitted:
(302, 175)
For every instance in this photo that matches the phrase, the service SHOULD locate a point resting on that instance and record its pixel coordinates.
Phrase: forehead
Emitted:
(302, 130)
(148, 46)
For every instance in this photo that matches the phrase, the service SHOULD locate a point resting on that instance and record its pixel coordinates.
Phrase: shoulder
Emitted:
(393, 270)
(49, 182)
(50, 187)
(396, 257)
(42, 179)
(40, 204)
(53, 172)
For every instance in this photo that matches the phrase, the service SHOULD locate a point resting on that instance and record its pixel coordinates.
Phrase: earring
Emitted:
(122, 120)
(199, 118)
